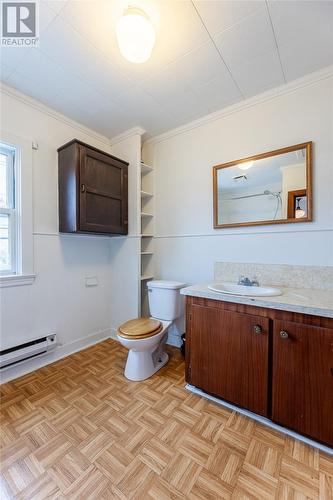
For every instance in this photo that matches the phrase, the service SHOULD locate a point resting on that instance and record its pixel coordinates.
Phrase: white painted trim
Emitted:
(271, 94)
(113, 334)
(242, 233)
(262, 420)
(17, 280)
(24, 201)
(81, 235)
(62, 351)
(33, 103)
(126, 135)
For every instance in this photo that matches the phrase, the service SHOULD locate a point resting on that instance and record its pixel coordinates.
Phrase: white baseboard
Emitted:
(113, 334)
(30, 365)
(262, 420)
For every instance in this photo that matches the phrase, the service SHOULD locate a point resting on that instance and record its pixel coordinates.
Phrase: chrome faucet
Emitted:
(245, 281)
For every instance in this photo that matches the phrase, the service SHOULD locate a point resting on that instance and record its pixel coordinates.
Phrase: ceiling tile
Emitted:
(259, 74)
(194, 69)
(48, 79)
(220, 15)
(5, 71)
(178, 30)
(27, 84)
(304, 33)
(246, 40)
(141, 108)
(218, 93)
(55, 5)
(79, 57)
(48, 11)
(12, 56)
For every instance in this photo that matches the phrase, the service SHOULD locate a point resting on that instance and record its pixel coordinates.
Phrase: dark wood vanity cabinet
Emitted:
(302, 385)
(229, 356)
(274, 363)
(93, 191)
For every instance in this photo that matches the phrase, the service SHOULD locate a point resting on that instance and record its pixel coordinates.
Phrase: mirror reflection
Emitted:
(271, 187)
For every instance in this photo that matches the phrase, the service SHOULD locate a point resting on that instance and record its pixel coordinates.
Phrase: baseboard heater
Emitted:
(28, 350)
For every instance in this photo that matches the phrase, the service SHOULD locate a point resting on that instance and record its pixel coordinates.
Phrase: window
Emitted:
(16, 211)
(8, 210)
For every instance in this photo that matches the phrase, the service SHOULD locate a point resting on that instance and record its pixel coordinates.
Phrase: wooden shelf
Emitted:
(147, 277)
(146, 215)
(145, 169)
(144, 194)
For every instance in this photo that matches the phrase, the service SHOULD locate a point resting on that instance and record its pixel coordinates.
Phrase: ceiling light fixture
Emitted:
(136, 35)
(245, 165)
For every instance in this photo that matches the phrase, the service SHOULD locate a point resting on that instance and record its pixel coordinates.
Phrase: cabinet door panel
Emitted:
(303, 379)
(228, 358)
(102, 175)
(103, 196)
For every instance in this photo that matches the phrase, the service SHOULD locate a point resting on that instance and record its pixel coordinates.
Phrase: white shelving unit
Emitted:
(147, 232)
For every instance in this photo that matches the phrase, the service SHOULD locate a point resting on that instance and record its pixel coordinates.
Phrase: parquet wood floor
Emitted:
(79, 429)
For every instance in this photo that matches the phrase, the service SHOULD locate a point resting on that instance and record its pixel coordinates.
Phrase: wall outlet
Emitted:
(91, 281)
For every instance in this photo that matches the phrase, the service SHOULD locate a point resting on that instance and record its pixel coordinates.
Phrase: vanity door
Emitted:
(303, 379)
(228, 356)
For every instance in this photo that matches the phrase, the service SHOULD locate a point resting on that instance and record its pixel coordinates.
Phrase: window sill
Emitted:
(17, 280)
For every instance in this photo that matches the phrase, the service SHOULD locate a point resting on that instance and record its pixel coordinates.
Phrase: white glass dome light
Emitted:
(245, 165)
(136, 35)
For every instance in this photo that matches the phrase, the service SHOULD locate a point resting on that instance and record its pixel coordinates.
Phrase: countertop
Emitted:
(301, 300)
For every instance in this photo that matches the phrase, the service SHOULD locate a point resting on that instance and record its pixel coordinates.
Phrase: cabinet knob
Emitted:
(284, 334)
(257, 329)
(83, 188)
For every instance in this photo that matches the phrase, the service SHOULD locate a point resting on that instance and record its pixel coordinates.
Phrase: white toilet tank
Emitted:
(165, 301)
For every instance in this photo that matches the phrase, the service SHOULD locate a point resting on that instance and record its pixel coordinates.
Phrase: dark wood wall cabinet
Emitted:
(277, 364)
(93, 190)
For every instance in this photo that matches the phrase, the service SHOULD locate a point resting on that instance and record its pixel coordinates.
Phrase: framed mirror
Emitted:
(269, 188)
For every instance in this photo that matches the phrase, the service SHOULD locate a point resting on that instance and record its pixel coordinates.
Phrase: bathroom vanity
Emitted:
(272, 356)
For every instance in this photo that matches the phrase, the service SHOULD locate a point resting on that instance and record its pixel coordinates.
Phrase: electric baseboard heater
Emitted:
(28, 350)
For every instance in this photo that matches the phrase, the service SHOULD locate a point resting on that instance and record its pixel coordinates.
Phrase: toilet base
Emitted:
(141, 365)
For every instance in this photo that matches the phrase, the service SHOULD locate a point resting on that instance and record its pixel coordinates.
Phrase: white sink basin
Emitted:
(246, 291)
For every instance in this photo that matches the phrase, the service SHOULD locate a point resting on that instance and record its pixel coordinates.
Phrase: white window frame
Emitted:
(21, 226)
(12, 196)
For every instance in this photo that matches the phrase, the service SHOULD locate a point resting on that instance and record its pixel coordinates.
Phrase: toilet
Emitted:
(145, 338)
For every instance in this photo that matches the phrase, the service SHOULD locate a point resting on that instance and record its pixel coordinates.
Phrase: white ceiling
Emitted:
(208, 55)
(264, 172)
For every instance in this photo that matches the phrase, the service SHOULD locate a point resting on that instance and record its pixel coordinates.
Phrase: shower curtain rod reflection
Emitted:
(265, 193)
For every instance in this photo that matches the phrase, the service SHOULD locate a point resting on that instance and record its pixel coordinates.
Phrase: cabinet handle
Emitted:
(83, 188)
(284, 334)
(257, 329)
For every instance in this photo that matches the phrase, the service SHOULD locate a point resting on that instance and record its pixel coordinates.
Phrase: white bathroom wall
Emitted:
(58, 301)
(265, 207)
(186, 243)
(125, 251)
(293, 178)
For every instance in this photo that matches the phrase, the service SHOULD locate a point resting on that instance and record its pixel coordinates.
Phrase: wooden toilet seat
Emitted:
(140, 328)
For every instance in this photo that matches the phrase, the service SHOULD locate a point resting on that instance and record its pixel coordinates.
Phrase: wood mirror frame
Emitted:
(308, 148)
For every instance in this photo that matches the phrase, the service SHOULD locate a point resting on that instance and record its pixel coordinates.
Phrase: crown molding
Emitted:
(126, 135)
(33, 103)
(271, 94)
